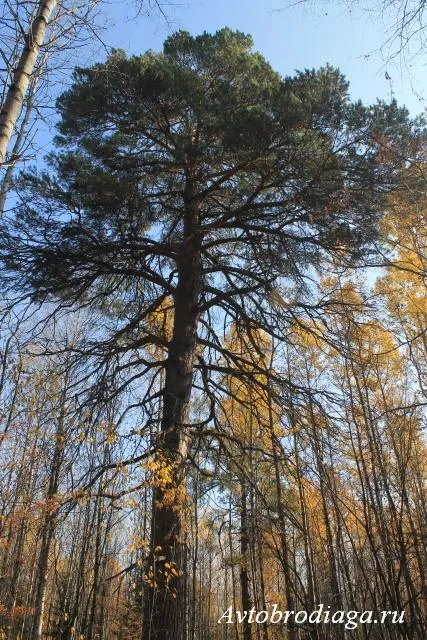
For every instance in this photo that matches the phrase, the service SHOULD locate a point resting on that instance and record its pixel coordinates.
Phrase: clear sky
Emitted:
(294, 38)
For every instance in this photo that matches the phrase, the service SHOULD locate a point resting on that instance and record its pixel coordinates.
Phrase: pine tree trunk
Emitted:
(16, 94)
(164, 618)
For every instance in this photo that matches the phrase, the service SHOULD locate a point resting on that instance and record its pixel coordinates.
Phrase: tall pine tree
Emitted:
(200, 176)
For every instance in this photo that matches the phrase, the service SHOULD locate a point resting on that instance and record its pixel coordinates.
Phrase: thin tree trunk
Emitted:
(49, 524)
(96, 571)
(16, 93)
(284, 547)
(233, 580)
(244, 553)
(195, 560)
(21, 136)
(42, 575)
(259, 551)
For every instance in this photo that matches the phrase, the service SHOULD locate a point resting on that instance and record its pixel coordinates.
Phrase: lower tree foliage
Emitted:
(227, 427)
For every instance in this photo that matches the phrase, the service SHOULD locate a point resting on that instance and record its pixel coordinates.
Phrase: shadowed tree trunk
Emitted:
(244, 552)
(164, 618)
(50, 519)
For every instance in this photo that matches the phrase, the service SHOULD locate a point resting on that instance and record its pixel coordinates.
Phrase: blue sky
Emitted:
(308, 35)
(294, 38)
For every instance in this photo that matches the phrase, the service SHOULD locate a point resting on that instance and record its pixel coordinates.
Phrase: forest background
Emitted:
(299, 475)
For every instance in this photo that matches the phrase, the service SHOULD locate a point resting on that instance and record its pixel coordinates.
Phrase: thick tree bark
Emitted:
(164, 618)
(15, 96)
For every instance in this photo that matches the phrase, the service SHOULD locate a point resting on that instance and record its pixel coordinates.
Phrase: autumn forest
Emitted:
(213, 338)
